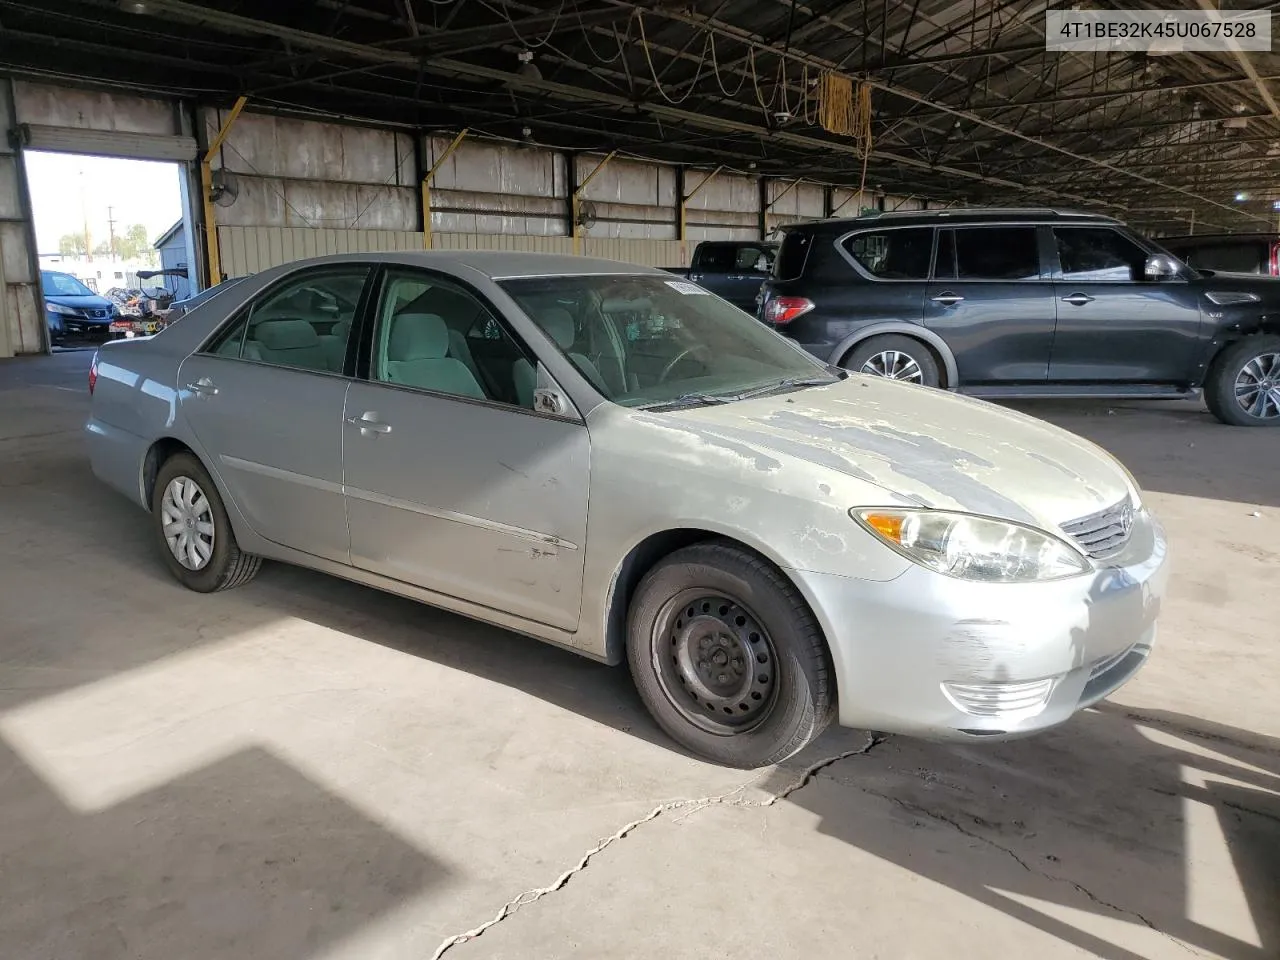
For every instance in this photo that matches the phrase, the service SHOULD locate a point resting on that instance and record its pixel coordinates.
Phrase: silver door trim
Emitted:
(495, 526)
(277, 473)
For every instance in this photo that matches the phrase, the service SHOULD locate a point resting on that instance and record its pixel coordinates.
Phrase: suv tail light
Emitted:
(93, 373)
(782, 310)
(1273, 262)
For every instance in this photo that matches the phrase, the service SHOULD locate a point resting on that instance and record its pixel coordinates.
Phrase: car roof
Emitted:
(903, 218)
(494, 264)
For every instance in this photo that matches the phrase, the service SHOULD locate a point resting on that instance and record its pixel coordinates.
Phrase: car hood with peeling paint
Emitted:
(927, 446)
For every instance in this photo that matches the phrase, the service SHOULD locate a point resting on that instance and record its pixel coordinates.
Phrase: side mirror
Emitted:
(1161, 266)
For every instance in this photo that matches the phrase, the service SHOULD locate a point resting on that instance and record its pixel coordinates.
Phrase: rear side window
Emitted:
(789, 264)
(996, 253)
(893, 254)
(1098, 254)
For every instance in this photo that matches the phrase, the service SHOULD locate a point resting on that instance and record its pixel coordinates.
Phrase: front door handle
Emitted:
(947, 299)
(203, 388)
(369, 424)
(1078, 299)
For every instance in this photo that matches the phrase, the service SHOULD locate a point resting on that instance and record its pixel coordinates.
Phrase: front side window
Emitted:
(303, 323)
(893, 254)
(1096, 254)
(643, 341)
(996, 253)
(432, 334)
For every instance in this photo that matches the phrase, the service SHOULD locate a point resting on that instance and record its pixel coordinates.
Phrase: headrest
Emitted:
(418, 336)
(341, 330)
(558, 325)
(285, 334)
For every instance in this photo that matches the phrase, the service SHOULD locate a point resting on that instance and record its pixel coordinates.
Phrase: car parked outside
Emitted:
(73, 312)
(1228, 252)
(1027, 303)
(611, 459)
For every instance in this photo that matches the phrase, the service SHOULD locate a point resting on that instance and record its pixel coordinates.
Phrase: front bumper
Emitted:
(934, 656)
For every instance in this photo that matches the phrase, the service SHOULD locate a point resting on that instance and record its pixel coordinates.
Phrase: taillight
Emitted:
(782, 310)
(1275, 259)
(93, 373)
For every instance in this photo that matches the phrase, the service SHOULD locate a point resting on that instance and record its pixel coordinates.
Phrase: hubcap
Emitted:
(714, 661)
(1258, 387)
(188, 523)
(893, 365)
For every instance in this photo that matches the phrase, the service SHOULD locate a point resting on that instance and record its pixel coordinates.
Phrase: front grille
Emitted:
(1104, 533)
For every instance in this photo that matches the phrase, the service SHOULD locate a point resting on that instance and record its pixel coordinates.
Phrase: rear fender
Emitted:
(914, 330)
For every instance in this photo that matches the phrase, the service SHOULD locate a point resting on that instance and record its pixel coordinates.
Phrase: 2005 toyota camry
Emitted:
(616, 461)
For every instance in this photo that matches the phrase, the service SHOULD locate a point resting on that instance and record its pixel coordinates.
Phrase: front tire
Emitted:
(728, 658)
(894, 357)
(194, 532)
(1243, 385)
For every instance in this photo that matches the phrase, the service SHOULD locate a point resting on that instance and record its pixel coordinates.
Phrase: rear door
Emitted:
(734, 271)
(992, 302)
(1113, 324)
(265, 402)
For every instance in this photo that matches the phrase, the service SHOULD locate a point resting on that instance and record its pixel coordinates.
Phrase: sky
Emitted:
(66, 189)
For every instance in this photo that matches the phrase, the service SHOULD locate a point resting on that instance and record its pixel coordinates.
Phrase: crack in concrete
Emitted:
(1013, 855)
(691, 805)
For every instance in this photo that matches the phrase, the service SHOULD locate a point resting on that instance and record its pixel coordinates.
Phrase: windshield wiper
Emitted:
(785, 385)
(706, 399)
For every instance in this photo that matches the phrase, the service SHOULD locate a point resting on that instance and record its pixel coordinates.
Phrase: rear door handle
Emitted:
(947, 299)
(369, 424)
(203, 388)
(1078, 299)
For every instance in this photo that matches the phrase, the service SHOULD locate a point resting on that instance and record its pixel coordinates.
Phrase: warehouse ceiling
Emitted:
(966, 103)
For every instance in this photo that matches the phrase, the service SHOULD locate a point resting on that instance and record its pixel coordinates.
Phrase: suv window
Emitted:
(893, 254)
(1098, 254)
(996, 253)
(303, 323)
(1230, 257)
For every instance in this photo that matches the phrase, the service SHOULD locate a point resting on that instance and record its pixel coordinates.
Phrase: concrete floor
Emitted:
(304, 768)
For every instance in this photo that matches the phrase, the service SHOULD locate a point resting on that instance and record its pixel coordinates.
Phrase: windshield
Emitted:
(646, 340)
(63, 285)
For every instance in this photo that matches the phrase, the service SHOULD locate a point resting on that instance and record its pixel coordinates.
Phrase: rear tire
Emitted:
(894, 357)
(1243, 384)
(193, 529)
(728, 658)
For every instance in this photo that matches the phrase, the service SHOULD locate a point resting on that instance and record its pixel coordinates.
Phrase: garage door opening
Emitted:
(114, 243)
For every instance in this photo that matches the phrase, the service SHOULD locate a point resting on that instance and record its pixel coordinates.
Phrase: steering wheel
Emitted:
(675, 362)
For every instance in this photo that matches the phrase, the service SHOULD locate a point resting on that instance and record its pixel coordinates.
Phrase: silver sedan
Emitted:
(615, 461)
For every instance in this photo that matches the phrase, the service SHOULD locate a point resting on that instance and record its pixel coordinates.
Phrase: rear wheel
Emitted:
(894, 357)
(1243, 385)
(194, 532)
(728, 657)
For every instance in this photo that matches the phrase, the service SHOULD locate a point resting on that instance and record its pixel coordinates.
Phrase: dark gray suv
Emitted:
(1027, 303)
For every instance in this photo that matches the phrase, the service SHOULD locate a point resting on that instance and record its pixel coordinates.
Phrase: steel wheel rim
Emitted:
(893, 365)
(1257, 387)
(714, 661)
(186, 517)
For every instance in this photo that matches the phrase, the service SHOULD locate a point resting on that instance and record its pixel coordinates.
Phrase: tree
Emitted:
(135, 245)
(72, 245)
(102, 250)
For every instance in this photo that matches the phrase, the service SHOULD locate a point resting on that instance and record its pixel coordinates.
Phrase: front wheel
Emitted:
(193, 529)
(1243, 386)
(894, 357)
(728, 657)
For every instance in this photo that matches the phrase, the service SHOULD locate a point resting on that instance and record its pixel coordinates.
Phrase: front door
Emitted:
(1113, 324)
(991, 304)
(265, 402)
(451, 483)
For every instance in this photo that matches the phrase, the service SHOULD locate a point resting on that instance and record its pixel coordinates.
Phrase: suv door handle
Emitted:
(947, 299)
(203, 388)
(1078, 299)
(369, 424)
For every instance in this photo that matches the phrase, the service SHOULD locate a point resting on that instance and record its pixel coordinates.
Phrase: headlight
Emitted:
(974, 548)
(59, 308)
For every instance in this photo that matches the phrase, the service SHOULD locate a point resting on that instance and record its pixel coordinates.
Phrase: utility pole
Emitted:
(111, 229)
(84, 216)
